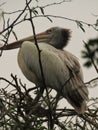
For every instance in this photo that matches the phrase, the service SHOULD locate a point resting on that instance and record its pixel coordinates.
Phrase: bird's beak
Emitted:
(41, 37)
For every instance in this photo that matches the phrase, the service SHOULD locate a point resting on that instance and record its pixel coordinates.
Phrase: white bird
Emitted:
(61, 69)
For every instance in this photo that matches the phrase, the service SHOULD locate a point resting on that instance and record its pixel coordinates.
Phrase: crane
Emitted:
(61, 69)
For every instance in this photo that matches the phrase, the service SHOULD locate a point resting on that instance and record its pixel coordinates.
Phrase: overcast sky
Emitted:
(76, 9)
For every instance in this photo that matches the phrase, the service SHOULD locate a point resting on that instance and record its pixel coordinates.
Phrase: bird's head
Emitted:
(55, 36)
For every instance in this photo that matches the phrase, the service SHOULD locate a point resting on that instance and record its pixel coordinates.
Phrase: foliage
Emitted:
(90, 53)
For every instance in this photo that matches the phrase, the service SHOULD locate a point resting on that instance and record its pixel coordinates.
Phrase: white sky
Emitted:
(77, 9)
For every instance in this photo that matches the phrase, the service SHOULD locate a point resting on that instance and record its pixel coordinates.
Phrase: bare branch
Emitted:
(95, 80)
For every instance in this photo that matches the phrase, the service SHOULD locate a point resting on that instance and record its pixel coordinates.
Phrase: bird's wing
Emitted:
(77, 92)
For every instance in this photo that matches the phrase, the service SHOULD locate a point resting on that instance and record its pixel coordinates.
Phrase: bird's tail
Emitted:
(80, 105)
(77, 95)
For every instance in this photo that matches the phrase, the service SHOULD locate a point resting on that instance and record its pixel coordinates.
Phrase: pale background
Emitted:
(77, 9)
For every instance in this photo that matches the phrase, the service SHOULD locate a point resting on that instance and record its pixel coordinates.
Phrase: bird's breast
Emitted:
(54, 69)
(31, 76)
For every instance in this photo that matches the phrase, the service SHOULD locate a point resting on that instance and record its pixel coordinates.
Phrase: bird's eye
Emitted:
(49, 31)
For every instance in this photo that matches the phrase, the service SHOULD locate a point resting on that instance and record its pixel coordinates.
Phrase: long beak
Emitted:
(41, 37)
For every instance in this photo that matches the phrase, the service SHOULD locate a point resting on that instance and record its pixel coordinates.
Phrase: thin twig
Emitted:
(10, 83)
(13, 23)
(60, 125)
(2, 4)
(45, 6)
(55, 3)
(41, 68)
(51, 16)
(85, 117)
(92, 80)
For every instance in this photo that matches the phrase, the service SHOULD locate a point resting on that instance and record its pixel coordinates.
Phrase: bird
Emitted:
(61, 69)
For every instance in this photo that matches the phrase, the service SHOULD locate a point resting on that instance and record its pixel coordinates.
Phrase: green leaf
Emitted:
(3, 40)
(35, 12)
(96, 23)
(93, 42)
(14, 35)
(79, 24)
(97, 60)
(25, 16)
(82, 28)
(85, 54)
(96, 50)
(88, 64)
(49, 19)
(42, 10)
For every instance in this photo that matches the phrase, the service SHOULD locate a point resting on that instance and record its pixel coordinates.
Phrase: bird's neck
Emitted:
(59, 44)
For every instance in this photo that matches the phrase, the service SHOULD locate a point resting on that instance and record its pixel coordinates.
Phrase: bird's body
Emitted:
(50, 58)
(61, 69)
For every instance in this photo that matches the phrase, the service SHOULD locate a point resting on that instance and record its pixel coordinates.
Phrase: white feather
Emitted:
(61, 69)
